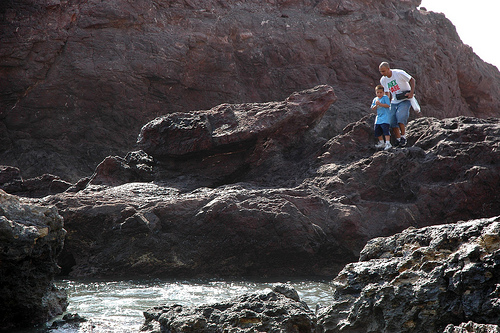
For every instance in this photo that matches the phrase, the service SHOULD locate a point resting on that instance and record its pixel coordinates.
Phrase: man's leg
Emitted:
(402, 128)
(402, 115)
(394, 122)
(396, 132)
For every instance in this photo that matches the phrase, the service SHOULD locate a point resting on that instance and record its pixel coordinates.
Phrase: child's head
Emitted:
(379, 91)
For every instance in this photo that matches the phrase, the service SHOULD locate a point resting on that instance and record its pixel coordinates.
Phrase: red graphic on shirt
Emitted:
(393, 86)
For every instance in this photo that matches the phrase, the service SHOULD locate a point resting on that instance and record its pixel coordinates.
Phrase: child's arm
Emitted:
(383, 105)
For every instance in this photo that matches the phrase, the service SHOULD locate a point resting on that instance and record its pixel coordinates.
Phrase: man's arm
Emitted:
(412, 86)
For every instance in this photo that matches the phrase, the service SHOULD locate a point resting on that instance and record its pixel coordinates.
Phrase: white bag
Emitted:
(414, 104)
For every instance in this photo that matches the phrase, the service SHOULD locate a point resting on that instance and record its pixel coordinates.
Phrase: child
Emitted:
(381, 103)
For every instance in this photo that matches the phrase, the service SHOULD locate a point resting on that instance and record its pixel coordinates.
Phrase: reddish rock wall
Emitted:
(79, 78)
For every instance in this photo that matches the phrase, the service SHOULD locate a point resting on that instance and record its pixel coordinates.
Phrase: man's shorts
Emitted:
(400, 113)
(382, 129)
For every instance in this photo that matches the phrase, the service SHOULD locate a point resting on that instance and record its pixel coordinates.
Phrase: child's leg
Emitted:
(379, 132)
(386, 131)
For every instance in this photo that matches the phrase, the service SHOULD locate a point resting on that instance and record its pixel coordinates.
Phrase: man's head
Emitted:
(385, 69)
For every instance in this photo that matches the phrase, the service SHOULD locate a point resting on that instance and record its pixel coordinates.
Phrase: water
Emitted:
(117, 306)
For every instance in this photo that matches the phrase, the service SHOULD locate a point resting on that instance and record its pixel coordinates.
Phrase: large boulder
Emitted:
(31, 237)
(80, 78)
(421, 280)
(229, 142)
(227, 126)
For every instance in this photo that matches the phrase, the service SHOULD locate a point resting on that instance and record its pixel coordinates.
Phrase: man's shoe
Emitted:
(387, 146)
(402, 143)
(397, 143)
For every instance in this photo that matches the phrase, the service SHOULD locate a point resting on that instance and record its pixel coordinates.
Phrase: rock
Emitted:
(70, 321)
(271, 312)
(296, 219)
(222, 128)
(224, 143)
(12, 182)
(31, 238)
(287, 290)
(80, 78)
(420, 280)
(114, 170)
(442, 157)
(10, 179)
(142, 229)
(43, 185)
(472, 327)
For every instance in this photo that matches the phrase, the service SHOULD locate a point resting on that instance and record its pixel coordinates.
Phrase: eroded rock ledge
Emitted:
(345, 195)
(228, 125)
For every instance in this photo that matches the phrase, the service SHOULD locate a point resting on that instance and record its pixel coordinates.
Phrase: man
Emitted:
(402, 87)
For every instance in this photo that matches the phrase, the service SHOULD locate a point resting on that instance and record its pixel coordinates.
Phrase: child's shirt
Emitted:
(382, 113)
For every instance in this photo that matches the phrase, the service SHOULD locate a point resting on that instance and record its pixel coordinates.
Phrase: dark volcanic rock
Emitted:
(222, 144)
(12, 182)
(71, 323)
(226, 126)
(10, 179)
(472, 327)
(149, 230)
(31, 238)
(115, 170)
(275, 311)
(435, 179)
(80, 77)
(420, 280)
(293, 220)
(428, 280)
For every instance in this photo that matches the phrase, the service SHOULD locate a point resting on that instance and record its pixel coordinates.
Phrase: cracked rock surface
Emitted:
(420, 280)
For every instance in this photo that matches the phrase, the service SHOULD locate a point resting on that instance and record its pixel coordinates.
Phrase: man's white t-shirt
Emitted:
(398, 82)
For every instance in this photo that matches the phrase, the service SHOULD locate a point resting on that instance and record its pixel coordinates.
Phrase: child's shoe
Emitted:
(380, 144)
(387, 146)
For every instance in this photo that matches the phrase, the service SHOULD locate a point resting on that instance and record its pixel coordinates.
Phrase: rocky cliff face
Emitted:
(80, 77)
(31, 238)
(248, 187)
